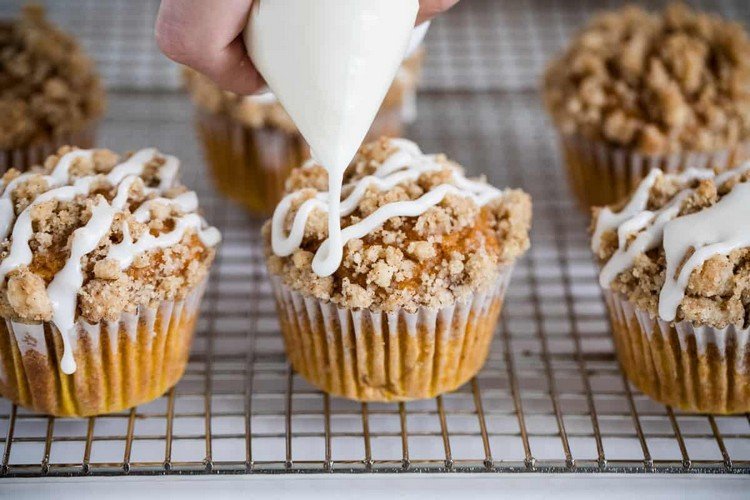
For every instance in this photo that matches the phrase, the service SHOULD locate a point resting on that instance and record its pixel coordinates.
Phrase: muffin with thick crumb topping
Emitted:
(411, 309)
(251, 144)
(103, 261)
(50, 93)
(637, 90)
(675, 267)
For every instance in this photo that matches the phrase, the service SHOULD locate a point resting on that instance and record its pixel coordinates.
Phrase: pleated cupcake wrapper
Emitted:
(120, 364)
(249, 164)
(399, 356)
(35, 154)
(695, 368)
(600, 174)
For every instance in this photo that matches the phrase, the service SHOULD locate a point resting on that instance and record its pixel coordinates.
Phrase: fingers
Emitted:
(207, 38)
(431, 8)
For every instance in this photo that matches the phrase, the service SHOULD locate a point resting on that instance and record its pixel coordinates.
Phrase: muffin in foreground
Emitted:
(411, 310)
(103, 263)
(637, 90)
(675, 267)
(50, 93)
(251, 144)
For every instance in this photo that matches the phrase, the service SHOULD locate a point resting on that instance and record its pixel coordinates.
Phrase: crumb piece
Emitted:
(27, 295)
(421, 250)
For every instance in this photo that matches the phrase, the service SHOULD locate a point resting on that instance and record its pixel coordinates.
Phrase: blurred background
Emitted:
(480, 45)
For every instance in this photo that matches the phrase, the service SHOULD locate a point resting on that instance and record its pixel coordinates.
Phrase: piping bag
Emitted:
(330, 63)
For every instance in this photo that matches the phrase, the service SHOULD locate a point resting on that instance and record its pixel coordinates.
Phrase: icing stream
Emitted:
(64, 287)
(688, 240)
(406, 163)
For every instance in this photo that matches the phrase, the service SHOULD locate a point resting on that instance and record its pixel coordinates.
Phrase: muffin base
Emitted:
(120, 364)
(696, 369)
(375, 356)
(249, 165)
(36, 154)
(600, 174)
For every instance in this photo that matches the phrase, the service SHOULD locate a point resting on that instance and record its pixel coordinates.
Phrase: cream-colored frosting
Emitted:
(406, 163)
(64, 287)
(716, 230)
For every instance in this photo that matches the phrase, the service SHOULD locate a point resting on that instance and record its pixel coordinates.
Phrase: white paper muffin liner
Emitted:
(695, 368)
(398, 356)
(120, 364)
(600, 174)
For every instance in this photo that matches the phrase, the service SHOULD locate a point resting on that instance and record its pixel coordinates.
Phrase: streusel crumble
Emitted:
(655, 82)
(48, 85)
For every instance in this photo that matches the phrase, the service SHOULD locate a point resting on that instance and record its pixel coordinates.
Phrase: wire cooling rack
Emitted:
(551, 397)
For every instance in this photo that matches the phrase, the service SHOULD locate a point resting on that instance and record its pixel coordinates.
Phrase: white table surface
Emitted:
(425, 486)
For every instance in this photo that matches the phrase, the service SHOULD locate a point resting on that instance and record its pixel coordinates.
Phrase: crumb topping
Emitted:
(718, 291)
(450, 251)
(165, 273)
(48, 85)
(656, 82)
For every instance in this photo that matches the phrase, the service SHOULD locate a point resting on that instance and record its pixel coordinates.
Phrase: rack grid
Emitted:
(551, 397)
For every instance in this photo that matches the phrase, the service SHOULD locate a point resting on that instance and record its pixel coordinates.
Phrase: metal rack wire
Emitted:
(550, 399)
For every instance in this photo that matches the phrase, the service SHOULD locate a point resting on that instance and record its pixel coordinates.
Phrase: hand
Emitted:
(208, 39)
(431, 8)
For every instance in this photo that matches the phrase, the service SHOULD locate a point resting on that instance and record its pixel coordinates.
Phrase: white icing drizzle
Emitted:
(406, 163)
(610, 220)
(716, 230)
(64, 287)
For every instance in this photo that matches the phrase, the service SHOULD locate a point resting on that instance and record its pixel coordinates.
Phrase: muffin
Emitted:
(675, 268)
(50, 93)
(411, 310)
(102, 266)
(637, 90)
(251, 144)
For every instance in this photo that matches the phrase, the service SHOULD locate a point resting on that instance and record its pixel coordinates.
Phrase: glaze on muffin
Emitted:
(87, 236)
(451, 250)
(717, 292)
